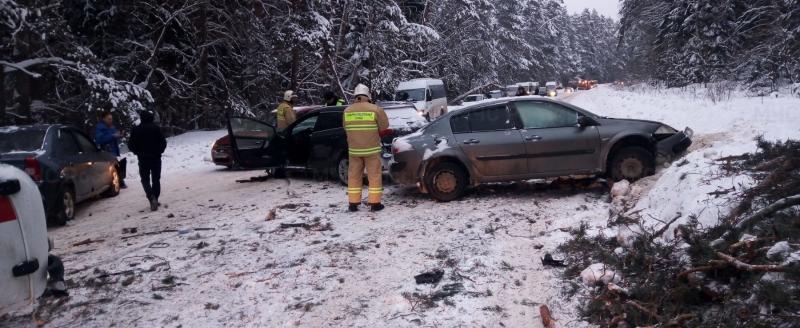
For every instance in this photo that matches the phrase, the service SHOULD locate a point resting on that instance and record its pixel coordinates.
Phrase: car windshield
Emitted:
(21, 140)
(404, 118)
(410, 95)
(471, 98)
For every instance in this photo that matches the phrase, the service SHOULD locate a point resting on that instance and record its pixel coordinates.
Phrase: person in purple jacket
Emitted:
(107, 137)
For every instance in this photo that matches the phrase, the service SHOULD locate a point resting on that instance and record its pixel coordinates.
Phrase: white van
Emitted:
(428, 96)
(23, 240)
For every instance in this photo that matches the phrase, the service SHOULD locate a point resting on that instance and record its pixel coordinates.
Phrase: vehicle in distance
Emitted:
(428, 96)
(24, 247)
(551, 88)
(66, 165)
(471, 99)
(531, 137)
(316, 142)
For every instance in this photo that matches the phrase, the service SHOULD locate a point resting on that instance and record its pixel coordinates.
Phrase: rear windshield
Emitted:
(21, 140)
(405, 118)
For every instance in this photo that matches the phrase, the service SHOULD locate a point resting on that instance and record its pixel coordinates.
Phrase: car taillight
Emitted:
(33, 168)
(7, 212)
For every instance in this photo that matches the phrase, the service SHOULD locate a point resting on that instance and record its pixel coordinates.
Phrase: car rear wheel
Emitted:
(66, 208)
(115, 186)
(446, 181)
(631, 163)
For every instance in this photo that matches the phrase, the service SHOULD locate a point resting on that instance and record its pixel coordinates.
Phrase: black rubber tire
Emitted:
(64, 212)
(631, 163)
(461, 181)
(336, 170)
(114, 187)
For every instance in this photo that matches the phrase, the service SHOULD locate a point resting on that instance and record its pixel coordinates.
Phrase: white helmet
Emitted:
(361, 90)
(289, 95)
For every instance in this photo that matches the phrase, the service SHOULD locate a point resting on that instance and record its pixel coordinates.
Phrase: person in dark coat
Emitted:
(148, 143)
(107, 137)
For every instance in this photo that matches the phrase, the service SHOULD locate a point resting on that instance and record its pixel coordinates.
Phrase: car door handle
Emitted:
(533, 138)
(471, 141)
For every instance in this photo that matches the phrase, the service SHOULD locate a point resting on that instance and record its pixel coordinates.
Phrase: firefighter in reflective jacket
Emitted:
(286, 115)
(364, 124)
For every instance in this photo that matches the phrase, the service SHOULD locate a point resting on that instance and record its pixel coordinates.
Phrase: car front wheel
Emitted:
(631, 163)
(446, 181)
(115, 186)
(342, 165)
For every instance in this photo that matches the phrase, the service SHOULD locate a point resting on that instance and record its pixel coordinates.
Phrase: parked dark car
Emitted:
(315, 142)
(66, 165)
(530, 137)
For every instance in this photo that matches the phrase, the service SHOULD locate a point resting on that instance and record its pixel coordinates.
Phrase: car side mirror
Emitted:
(586, 121)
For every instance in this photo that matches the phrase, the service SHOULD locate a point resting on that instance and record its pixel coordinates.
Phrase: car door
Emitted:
(76, 166)
(490, 141)
(299, 140)
(255, 144)
(328, 142)
(99, 176)
(554, 142)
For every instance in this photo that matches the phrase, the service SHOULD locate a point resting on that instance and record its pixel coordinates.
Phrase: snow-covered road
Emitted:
(214, 255)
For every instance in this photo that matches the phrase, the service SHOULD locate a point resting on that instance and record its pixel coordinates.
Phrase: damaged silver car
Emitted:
(521, 138)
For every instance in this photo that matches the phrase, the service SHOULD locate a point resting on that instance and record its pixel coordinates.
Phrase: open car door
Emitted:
(255, 144)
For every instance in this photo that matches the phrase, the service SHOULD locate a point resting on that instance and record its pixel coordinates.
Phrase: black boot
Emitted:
(153, 204)
(376, 207)
(353, 207)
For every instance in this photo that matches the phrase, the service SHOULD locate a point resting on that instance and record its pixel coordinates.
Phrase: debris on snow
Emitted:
(598, 273)
(430, 277)
(621, 189)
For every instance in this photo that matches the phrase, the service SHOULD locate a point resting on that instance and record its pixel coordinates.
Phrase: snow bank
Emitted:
(186, 153)
(695, 185)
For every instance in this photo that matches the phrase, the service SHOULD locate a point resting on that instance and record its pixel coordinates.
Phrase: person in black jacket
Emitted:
(148, 143)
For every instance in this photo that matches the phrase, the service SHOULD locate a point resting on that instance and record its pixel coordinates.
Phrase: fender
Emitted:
(607, 145)
(453, 153)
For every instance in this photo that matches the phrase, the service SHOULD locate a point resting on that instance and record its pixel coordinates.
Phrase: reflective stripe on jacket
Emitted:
(362, 123)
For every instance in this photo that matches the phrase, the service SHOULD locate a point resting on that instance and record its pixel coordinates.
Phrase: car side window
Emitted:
(249, 128)
(542, 114)
(66, 144)
(493, 118)
(85, 145)
(460, 123)
(438, 91)
(328, 121)
(306, 125)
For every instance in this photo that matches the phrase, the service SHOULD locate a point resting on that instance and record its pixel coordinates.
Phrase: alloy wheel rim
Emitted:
(445, 181)
(631, 168)
(115, 183)
(69, 205)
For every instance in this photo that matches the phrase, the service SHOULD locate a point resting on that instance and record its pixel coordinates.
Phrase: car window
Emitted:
(460, 123)
(492, 118)
(84, 144)
(410, 95)
(540, 114)
(248, 128)
(66, 144)
(16, 139)
(308, 123)
(329, 120)
(437, 91)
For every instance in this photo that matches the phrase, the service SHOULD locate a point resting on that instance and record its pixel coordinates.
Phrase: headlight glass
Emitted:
(666, 129)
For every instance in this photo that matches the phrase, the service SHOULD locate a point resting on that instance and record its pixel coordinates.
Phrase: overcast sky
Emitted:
(608, 8)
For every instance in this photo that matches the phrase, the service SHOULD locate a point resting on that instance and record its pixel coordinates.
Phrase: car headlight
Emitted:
(666, 129)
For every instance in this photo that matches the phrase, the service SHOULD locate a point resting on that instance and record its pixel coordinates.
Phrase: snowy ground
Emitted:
(244, 269)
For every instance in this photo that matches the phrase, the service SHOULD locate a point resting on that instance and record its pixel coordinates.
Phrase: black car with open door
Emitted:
(315, 143)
